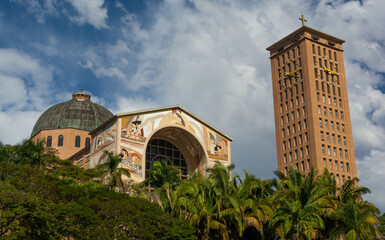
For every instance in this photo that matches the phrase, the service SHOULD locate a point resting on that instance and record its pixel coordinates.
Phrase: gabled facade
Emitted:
(170, 133)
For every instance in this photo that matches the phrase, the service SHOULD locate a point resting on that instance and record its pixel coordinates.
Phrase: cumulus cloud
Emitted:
(25, 93)
(91, 12)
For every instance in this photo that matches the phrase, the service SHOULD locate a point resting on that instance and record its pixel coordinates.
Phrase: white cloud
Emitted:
(91, 12)
(88, 11)
(24, 93)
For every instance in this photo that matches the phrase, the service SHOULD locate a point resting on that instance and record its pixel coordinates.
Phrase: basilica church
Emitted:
(81, 131)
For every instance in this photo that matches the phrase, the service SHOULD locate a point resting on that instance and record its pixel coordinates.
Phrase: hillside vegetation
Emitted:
(42, 197)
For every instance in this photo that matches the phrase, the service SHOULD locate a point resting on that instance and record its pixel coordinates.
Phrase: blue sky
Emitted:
(207, 56)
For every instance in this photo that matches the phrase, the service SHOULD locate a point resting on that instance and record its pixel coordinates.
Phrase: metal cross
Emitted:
(303, 20)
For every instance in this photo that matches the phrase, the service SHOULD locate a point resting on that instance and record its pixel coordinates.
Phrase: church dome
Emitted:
(78, 113)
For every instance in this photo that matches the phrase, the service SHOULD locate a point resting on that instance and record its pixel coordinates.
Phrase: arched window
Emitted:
(158, 149)
(49, 141)
(77, 141)
(88, 142)
(60, 141)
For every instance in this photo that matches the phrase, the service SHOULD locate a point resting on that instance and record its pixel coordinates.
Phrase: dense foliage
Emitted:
(42, 197)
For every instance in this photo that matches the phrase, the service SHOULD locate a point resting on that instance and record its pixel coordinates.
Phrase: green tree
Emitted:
(299, 202)
(112, 173)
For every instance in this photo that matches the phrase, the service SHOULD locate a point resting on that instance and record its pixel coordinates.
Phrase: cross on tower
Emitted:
(303, 20)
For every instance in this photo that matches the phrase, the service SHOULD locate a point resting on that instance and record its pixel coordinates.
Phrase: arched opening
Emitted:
(88, 142)
(179, 147)
(77, 141)
(49, 141)
(60, 141)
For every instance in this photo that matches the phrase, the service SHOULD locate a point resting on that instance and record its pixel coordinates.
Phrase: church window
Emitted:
(335, 56)
(293, 52)
(288, 56)
(319, 50)
(296, 154)
(297, 101)
(318, 97)
(330, 55)
(334, 90)
(322, 136)
(319, 109)
(324, 52)
(294, 128)
(339, 139)
(324, 162)
(344, 140)
(342, 115)
(288, 130)
(325, 111)
(301, 149)
(331, 65)
(336, 67)
(303, 166)
(335, 151)
(346, 153)
(336, 164)
(77, 141)
(299, 62)
(340, 103)
(313, 47)
(320, 122)
(306, 138)
(302, 89)
(281, 108)
(304, 110)
(300, 139)
(347, 167)
(329, 150)
(338, 179)
(290, 156)
(88, 142)
(282, 122)
(316, 85)
(339, 92)
(336, 114)
(323, 149)
(340, 150)
(322, 85)
(338, 126)
(329, 100)
(308, 164)
(330, 164)
(343, 178)
(303, 98)
(331, 112)
(335, 101)
(296, 166)
(298, 113)
(159, 149)
(60, 141)
(284, 145)
(320, 64)
(333, 138)
(323, 98)
(49, 141)
(299, 50)
(283, 132)
(327, 137)
(304, 124)
(326, 124)
(278, 62)
(328, 87)
(315, 61)
(285, 158)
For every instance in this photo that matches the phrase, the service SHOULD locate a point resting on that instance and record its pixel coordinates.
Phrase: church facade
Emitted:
(143, 137)
(171, 133)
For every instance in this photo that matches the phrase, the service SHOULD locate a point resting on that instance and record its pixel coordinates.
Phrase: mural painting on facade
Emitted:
(104, 138)
(217, 146)
(138, 127)
(101, 157)
(132, 129)
(132, 161)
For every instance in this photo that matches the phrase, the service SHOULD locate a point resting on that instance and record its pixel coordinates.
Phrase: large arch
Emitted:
(186, 142)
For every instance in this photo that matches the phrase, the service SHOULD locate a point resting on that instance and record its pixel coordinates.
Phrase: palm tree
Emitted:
(253, 194)
(164, 178)
(356, 221)
(299, 203)
(111, 172)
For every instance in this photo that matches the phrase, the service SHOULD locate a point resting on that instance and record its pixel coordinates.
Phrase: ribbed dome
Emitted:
(79, 113)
